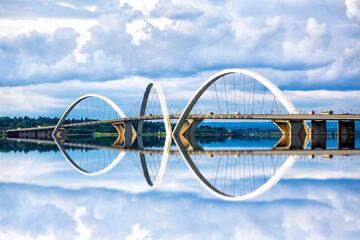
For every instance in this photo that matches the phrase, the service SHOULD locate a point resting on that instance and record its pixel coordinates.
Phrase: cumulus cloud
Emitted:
(36, 55)
(138, 233)
(343, 73)
(312, 49)
(353, 9)
(162, 38)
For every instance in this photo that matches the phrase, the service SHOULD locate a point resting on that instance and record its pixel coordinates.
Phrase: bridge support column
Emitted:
(42, 134)
(61, 134)
(295, 134)
(49, 134)
(126, 134)
(30, 134)
(346, 134)
(318, 134)
(187, 134)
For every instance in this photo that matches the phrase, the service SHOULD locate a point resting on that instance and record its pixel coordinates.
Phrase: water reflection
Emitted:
(230, 168)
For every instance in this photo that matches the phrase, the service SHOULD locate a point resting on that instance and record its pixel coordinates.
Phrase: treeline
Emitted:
(25, 122)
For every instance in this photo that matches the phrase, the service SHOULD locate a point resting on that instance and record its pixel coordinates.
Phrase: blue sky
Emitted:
(53, 51)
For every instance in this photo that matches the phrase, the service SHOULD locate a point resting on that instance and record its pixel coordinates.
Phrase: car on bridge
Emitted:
(327, 111)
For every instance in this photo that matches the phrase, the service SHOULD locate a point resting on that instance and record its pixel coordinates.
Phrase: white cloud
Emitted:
(83, 231)
(160, 39)
(346, 67)
(19, 173)
(14, 27)
(144, 6)
(139, 30)
(312, 49)
(65, 4)
(353, 9)
(139, 233)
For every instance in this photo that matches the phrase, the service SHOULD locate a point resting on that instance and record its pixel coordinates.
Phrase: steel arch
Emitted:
(275, 91)
(119, 157)
(168, 138)
(258, 77)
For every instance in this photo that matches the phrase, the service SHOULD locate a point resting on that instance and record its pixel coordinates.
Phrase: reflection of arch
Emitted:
(258, 77)
(68, 158)
(168, 138)
(272, 181)
(63, 150)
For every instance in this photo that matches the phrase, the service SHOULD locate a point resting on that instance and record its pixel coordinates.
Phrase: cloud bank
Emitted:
(155, 39)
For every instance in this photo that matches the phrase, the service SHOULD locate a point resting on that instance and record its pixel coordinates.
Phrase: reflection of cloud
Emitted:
(25, 169)
(138, 233)
(83, 231)
(303, 210)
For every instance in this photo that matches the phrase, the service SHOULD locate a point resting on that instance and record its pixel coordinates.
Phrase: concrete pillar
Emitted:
(318, 127)
(187, 134)
(49, 134)
(61, 134)
(318, 134)
(346, 127)
(346, 134)
(295, 134)
(32, 134)
(126, 134)
(318, 141)
(42, 134)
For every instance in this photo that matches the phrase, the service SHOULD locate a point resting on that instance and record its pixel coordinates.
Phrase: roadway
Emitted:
(247, 117)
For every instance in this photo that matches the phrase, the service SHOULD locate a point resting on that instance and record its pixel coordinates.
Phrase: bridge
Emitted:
(230, 95)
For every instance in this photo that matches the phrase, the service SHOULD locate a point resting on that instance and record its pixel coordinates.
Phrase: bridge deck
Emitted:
(247, 117)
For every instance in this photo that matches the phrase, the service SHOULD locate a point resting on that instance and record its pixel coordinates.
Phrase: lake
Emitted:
(241, 188)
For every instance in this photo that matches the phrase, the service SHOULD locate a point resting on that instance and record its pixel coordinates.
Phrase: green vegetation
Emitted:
(25, 122)
(104, 134)
(208, 130)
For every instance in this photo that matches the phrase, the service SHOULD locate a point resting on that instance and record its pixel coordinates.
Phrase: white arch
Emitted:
(63, 150)
(168, 138)
(276, 92)
(258, 77)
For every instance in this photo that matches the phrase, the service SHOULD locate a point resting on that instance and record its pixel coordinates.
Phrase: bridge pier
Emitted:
(44, 134)
(318, 141)
(187, 134)
(126, 134)
(318, 127)
(295, 134)
(318, 134)
(346, 134)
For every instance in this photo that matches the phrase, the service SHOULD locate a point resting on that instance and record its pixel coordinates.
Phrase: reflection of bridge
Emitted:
(231, 174)
(208, 152)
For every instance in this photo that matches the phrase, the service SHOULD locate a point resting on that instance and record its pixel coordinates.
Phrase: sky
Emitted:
(52, 51)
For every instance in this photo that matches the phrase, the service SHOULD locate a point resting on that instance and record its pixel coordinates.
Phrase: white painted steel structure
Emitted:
(185, 155)
(168, 138)
(118, 158)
